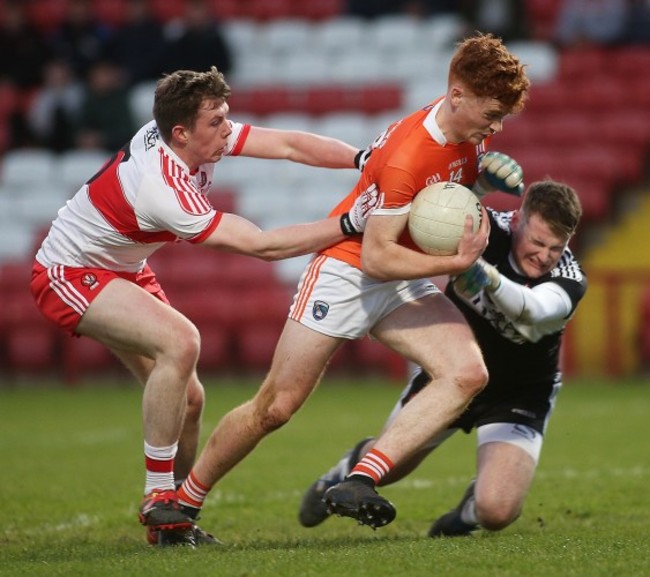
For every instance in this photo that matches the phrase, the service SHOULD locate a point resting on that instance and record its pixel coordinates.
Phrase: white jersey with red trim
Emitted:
(143, 197)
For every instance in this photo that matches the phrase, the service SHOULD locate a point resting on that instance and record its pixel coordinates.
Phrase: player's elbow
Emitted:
(372, 267)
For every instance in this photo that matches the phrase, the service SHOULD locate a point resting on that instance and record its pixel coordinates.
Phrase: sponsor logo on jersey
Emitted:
(150, 138)
(320, 310)
(457, 162)
(89, 280)
(433, 179)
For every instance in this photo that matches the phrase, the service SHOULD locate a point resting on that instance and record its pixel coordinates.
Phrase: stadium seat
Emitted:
(111, 12)
(77, 167)
(216, 349)
(26, 167)
(141, 98)
(582, 63)
(540, 58)
(340, 35)
(318, 10)
(255, 345)
(82, 355)
(285, 36)
(394, 33)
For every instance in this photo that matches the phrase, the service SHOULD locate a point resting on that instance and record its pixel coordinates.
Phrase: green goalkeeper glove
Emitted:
(481, 275)
(497, 171)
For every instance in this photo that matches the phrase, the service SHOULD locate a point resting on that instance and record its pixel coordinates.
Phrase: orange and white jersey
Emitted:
(411, 154)
(143, 197)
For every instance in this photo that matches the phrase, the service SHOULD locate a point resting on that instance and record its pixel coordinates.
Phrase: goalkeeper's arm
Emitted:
(521, 304)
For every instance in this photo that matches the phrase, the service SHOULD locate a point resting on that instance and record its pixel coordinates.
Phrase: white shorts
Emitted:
(522, 436)
(338, 300)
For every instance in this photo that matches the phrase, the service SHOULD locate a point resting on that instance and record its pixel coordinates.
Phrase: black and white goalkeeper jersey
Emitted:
(518, 356)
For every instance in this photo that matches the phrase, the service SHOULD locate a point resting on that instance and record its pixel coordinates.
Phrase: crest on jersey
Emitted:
(89, 280)
(320, 310)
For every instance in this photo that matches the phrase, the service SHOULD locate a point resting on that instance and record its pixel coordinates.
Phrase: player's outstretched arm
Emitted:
(302, 147)
(236, 234)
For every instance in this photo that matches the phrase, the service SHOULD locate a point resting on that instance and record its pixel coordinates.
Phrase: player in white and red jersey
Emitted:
(518, 299)
(91, 276)
(378, 286)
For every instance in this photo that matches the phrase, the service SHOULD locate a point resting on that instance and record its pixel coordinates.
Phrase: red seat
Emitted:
(598, 95)
(112, 12)
(380, 98)
(323, 99)
(166, 10)
(548, 97)
(628, 62)
(317, 9)
(216, 348)
(558, 129)
(269, 9)
(82, 355)
(256, 344)
(582, 63)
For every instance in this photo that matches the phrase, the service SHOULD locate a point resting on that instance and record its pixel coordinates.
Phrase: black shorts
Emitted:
(523, 403)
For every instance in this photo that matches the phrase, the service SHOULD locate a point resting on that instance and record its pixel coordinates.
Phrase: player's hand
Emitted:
(354, 221)
(473, 244)
(481, 275)
(497, 171)
(362, 157)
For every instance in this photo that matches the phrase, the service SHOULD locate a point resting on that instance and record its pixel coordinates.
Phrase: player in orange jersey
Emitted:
(378, 285)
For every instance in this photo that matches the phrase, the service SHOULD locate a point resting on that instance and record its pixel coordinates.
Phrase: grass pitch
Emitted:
(71, 477)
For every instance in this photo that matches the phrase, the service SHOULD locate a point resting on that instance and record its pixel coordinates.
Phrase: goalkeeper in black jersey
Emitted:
(517, 298)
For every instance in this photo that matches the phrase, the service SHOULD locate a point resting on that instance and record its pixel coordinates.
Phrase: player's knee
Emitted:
(185, 346)
(195, 399)
(495, 516)
(472, 378)
(277, 413)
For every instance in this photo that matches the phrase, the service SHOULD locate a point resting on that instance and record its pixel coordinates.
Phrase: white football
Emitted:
(437, 217)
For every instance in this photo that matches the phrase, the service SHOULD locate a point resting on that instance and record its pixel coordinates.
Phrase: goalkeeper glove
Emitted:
(497, 171)
(354, 221)
(481, 275)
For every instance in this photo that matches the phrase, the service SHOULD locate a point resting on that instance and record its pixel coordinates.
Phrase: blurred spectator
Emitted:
(137, 45)
(22, 49)
(507, 19)
(54, 112)
(80, 39)
(195, 42)
(105, 121)
(638, 26)
(585, 22)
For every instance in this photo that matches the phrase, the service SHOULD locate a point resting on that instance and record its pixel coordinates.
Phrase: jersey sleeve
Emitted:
(237, 138)
(179, 209)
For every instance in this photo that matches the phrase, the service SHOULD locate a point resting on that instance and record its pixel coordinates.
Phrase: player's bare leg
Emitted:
(432, 333)
(126, 318)
(292, 377)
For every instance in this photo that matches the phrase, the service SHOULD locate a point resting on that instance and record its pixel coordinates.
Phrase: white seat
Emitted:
(141, 97)
(394, 33)
(242, 35)
(359, 67)
(289, 121)
(285, 36)
(351, 127)
(441, 31)
(16, 241)
(39, 206)
(304, 67)
(340, 35)
(23, 168)
(254, 68)
(419, 94)
(78, 166)
(540, 57)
